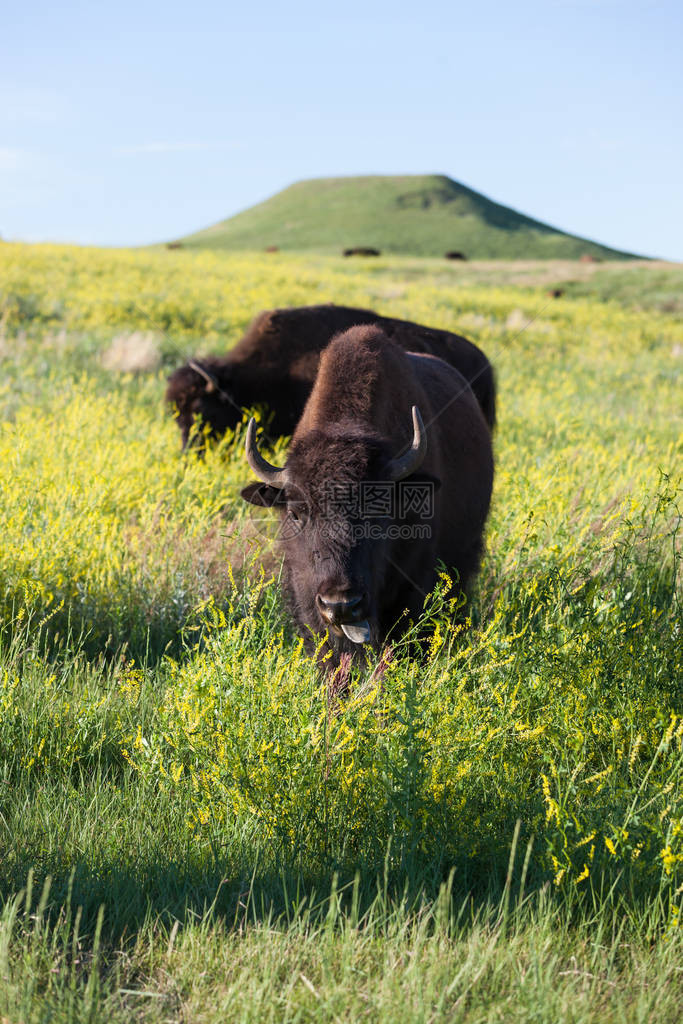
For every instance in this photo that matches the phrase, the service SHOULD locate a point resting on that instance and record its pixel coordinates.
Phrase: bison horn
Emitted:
(262, 469)
(211, 385)
(403, 465)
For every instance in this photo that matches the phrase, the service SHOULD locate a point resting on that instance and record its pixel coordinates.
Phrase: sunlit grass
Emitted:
(168, 750)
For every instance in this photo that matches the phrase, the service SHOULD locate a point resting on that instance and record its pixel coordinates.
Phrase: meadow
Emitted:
(192, 826)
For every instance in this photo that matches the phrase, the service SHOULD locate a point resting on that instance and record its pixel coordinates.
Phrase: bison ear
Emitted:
(263, 494)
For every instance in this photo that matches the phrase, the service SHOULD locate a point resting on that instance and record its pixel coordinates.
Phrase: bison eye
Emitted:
(297, 512)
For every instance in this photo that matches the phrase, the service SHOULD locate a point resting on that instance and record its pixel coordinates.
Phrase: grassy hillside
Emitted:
(421, 215)
(192, 828)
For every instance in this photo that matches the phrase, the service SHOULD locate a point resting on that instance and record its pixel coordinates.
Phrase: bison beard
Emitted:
(277, 360)
(364, 426)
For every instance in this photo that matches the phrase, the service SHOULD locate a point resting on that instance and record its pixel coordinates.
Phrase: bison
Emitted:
(277, 359)
(389, 472)
(362, 250)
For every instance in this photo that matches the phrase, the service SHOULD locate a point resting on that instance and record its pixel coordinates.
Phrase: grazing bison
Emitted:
(362, 250)
(389, 472)
(453, 254)
(277, 359)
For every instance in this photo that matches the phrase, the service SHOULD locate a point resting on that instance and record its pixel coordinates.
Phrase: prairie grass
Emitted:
(192, 825)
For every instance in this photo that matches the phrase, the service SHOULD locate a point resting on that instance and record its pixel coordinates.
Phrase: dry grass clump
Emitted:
(137, 352)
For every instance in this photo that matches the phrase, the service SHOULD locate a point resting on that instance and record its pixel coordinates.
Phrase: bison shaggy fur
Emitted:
(276, 363)
(355, 571)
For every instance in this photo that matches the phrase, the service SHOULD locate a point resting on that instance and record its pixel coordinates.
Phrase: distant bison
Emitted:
(362, 251)
(174, 245)
(272, 248)
(277, 359)
(453, 254)
(389, 472)
(556, 293)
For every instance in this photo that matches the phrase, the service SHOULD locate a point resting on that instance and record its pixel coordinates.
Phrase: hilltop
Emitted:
(419, 215)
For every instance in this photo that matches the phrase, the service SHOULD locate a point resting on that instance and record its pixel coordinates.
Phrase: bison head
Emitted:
(341, 531)
(203, 392)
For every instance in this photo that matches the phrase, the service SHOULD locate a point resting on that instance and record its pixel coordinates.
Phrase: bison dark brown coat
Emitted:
(277, 359)
(377, 417)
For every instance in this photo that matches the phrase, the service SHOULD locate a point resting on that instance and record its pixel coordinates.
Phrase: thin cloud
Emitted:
(147, 148)
(12, 159)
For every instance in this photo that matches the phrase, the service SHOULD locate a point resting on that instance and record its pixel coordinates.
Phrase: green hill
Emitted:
(418, 215)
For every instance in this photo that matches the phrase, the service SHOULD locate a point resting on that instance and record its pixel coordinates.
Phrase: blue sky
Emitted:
(136, 122)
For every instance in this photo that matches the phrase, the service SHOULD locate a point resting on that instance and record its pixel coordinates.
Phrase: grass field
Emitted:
(191, 827)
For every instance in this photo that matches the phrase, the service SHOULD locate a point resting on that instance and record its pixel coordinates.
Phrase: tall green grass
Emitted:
(194, 826)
